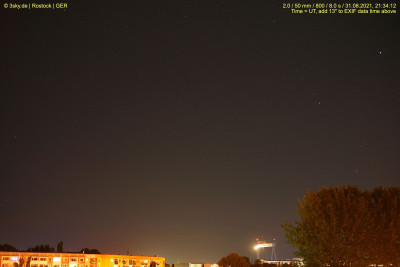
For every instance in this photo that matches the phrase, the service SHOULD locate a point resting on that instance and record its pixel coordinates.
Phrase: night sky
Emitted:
(188, 128)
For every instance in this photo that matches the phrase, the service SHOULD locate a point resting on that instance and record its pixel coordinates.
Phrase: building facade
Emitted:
(38, 259)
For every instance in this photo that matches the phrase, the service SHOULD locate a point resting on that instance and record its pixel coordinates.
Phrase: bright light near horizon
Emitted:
(56, 258)
(264, 245)
(14, 258)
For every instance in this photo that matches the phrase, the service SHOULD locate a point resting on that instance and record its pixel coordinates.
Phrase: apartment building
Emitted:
(38, 259)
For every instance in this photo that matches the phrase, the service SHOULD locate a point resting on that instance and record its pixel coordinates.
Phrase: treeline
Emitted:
(47, 248)
(346, 226)
(235, 260)
(259, 263)
(8, 247)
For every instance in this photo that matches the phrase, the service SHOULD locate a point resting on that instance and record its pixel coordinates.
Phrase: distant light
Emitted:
(14, 258)
(265, 245)
(56, 258)
(111, 260)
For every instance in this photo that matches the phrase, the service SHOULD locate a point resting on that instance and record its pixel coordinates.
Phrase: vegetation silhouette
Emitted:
(45, 248)
(60, 246)
(346, 226)
(234, 260)
(41, 248)
(90, 251)
(8, 247)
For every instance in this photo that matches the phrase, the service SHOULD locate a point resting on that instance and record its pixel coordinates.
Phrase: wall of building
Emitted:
(34, 259)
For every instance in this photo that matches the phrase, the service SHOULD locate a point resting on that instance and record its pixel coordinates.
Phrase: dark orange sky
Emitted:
(187, 128)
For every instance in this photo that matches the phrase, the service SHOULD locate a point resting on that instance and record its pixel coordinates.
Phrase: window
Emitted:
(73, 259)
(6, 258)
(81, 259)
(115, 261)
(65, 260)
(34, 259)
(124, 261)
(64, 265)
(43, 259)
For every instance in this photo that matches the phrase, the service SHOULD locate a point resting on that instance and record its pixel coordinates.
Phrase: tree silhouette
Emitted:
(41, 248)
(345, 226)
(60, 247)
(90, 251)
(28, 262)
(21, 262)
(233, 260)
(8, 247)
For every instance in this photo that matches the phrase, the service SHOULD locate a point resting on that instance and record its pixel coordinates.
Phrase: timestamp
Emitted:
(385, 5)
